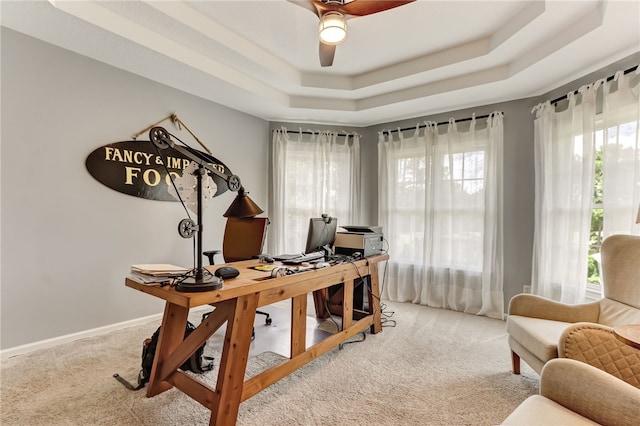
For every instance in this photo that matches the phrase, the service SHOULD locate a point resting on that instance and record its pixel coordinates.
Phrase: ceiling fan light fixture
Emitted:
(333, 28)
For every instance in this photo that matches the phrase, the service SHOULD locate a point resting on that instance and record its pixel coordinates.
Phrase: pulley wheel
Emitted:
(187, 228)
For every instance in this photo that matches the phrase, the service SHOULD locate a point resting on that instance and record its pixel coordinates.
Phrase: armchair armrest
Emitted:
(590, 392)
(596, 345)
(530, 305)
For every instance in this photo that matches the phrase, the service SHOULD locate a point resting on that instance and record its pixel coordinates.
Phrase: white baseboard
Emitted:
(61, 340)
(49, 343)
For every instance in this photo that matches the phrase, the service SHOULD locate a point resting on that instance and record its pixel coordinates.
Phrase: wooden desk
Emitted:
(236, 304)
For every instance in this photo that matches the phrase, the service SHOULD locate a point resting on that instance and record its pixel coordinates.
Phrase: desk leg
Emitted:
(347, 304)
(319, 297)
(374, 299)
(298, 325)
(233, 361)
(171, 335)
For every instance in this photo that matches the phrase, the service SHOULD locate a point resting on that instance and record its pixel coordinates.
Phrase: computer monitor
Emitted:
(322, 233)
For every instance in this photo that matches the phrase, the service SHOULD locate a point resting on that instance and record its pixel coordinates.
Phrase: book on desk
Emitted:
(156, 273)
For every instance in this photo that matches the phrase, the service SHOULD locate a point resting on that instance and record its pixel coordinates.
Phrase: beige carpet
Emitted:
(435, 367)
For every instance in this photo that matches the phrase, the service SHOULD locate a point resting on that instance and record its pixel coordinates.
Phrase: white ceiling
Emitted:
(261, 57)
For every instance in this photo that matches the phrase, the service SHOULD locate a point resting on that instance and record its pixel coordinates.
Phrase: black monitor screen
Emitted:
(322, 232)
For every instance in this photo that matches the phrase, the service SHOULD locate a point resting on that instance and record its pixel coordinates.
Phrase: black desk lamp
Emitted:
(242, 206)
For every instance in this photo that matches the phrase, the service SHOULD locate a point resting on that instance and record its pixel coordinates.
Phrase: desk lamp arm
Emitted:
(203, 280)
(160, 139)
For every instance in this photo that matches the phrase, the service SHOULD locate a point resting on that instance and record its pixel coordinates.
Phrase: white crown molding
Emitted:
(261, 64)
(354, 98)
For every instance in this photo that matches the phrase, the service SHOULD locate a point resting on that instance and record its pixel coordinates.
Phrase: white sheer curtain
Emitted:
(312, 174)
(440, 205)
(566, 142)
(564, 164)
(621, 154)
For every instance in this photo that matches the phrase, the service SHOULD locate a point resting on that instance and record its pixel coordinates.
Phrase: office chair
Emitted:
(243, 240)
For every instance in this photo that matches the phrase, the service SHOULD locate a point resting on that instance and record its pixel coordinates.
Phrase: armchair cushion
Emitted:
(538, 410)
(572, 392)
(539, 336)
(621, 271)
(614, 313)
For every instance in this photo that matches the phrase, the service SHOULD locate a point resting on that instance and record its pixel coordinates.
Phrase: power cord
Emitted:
(339, 327)
(385, 316)
(192, 273)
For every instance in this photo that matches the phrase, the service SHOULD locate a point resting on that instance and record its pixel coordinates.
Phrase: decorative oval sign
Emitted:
(138, 168)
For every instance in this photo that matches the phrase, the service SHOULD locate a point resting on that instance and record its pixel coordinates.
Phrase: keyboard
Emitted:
(287, 256)
(309, 257)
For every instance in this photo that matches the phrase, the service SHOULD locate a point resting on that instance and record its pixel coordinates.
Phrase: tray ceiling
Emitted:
(261, 57)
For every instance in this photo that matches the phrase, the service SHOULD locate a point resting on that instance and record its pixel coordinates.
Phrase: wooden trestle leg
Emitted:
(233, 361)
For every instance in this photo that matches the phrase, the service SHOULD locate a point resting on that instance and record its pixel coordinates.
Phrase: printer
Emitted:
(366, 240)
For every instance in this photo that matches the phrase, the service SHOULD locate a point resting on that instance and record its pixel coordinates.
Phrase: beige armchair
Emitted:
(535, 324)
(596, 345)
(574, 393)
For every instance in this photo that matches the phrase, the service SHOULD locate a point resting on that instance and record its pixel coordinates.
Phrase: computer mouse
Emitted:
(321, 265)
(268, 259)
(226, 272)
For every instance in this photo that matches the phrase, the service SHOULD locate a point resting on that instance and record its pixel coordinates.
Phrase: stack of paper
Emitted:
(159, 270)
(156, 273)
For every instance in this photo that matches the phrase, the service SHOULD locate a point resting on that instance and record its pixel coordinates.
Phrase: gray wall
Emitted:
(67, 240)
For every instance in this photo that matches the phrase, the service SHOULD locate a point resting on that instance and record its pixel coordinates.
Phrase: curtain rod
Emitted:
(611, 77)
(309, 132)
(479, 117)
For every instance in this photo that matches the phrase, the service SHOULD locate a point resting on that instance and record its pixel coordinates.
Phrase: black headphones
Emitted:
(326, 218)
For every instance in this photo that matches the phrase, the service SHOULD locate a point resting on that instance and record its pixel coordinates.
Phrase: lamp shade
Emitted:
(242, 206)
(333, 28)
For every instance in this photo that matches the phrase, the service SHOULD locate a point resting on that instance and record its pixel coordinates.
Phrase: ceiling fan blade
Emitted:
(309, 5)
(368, 7)
(327, 52)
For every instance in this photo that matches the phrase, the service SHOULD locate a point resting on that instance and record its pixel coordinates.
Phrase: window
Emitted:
(468, 171)
(315, 184)
(597, 213)
(312, 174)
(618, 143)
(441, 196)
(440, 205)
(408, 205)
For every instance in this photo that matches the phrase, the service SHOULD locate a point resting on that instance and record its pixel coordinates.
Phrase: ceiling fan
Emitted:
(333, 16)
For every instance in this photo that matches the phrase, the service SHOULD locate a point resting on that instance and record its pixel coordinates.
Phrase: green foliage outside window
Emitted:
(597, 216)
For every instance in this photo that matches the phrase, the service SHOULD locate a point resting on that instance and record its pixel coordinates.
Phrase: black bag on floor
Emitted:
(195, 363)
